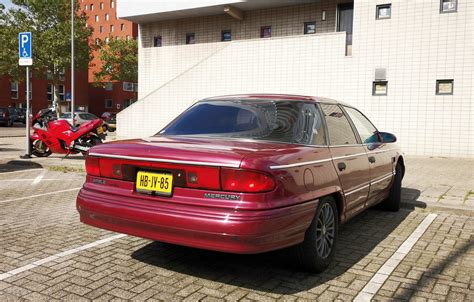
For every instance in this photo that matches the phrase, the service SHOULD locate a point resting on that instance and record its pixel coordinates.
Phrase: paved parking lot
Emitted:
(47, 254)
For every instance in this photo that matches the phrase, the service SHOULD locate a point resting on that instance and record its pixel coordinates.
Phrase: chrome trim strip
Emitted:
(348, 156)
(357, 190)
(301, 164)
(172, 161)
(382, 179)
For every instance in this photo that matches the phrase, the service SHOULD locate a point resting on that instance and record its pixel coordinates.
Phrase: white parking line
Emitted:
(39, 195)
(389, 266)
(38, 178)
(19, 171)
(28, 179)
(57, 256)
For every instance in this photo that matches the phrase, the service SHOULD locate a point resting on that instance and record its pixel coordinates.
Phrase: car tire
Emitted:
(315, 253)
(392, 203)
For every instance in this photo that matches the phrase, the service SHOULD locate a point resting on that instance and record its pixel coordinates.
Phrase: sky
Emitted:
(7, 3)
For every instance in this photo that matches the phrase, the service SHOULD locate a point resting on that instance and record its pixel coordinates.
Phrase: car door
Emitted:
(380, 158)
(349, 158)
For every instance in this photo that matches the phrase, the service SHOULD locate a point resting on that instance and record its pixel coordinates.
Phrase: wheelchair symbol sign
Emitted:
(25, 49)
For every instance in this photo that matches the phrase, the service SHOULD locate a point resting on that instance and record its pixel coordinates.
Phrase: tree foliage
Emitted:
(50, 24)
(119, 59)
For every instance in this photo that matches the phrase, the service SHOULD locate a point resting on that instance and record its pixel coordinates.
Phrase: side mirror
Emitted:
(387, 137)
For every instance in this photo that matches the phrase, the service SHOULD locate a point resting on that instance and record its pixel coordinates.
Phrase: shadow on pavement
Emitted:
(410, 198)
(273, 272)
(17, 165)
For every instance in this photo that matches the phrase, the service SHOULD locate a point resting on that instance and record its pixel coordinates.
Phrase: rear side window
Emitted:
(267, 120)
(367, 131)
(339, 128)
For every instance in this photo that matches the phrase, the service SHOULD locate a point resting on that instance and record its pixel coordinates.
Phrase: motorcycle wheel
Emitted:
(39, 149)
(94, 141)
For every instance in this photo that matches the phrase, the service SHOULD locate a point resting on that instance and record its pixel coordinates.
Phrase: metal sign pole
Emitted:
(28, 110)
(72, 63)
(26, 59)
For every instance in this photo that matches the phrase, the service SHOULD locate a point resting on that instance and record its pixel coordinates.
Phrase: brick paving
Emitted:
(439, 267)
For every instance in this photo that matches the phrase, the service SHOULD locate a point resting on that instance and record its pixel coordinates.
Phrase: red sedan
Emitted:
(246, 174)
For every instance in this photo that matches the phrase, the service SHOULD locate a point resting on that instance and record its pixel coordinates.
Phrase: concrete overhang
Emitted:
(146, 11)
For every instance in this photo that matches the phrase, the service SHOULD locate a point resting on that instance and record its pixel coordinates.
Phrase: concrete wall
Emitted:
(416, 46)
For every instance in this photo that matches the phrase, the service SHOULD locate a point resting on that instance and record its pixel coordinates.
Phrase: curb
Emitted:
(425, 206)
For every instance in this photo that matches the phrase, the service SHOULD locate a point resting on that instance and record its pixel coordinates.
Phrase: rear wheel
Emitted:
(39, 149)
(315, 253)
(392, 203)
(91, 143)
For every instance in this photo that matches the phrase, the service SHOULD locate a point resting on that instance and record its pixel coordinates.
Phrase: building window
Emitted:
(190, 38)
(101, 5)
(128, 38)
(92, 7)
(128, 102)
(128, 86)
(156, 41)
(379, 88)
(97, 41)
(111, 28)
(122, 27)
(50, 92)
(323, 15)
(107, 40)
(96, 18)
(106, 17)
(61, 92)
(265, 32)
(101, 28)
(112, 4)
(62, 75)
(449, 6)
(444, 87)
(14, 90)
(226, 35)
(383, 11)
(108, 103)
(309, 28)
(85, 7)
(109, 86)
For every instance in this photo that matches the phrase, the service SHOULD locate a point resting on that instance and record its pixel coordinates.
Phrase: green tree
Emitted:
(119, 59)
(49, 21)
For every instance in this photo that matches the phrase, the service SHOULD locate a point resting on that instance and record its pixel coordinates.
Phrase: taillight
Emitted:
(246, 181)
(5, 114)
(110, 168)
(93, 166)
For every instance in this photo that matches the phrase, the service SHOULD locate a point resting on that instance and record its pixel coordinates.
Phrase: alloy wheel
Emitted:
(325, 231)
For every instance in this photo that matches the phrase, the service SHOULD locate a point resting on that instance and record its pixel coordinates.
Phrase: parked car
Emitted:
(20, 115)
(111, 119)
(14, 116)
(5, 118)
(246, 174)
(82, 117)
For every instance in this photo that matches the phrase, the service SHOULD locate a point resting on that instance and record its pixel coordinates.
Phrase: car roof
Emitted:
(278, 97)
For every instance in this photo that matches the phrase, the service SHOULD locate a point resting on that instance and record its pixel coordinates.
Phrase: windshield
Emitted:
(281, 121)
(65, 115)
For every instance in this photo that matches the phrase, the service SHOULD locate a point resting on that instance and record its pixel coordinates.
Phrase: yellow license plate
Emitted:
(160, 183)
(100, 130)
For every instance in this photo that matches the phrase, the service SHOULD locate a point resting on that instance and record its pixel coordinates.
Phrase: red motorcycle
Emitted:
(58, 136)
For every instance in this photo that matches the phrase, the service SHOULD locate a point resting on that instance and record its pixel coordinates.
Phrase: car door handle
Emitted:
(371, 159)
(341, 166)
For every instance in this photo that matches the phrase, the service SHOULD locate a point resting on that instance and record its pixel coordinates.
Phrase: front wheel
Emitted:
(315, 253)
(40, 149)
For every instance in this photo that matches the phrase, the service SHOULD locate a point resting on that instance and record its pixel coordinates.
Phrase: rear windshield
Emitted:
(279, 121)
(66, 115)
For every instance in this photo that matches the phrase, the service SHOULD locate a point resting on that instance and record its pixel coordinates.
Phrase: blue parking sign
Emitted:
(25, 49)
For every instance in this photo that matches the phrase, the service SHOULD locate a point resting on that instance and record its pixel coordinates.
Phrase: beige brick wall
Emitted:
(417, 46)
(285, 21)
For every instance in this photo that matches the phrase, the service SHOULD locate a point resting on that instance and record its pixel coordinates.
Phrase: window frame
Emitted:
(223, 32)
(305, 28)
(374, 83)
(14, 90)
(442, 11)
(354, 126)
(188, 38)
(380, 6)
(106, 103)
(264, 29)
(451, 81)
(351, 125)
(157, 38)
(48, 93)
(126, 85)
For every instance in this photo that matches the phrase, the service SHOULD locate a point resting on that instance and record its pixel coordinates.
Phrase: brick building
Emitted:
(102, 17)
(409, 65)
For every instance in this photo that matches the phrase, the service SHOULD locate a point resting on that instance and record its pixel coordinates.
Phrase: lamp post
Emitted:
(72, 62)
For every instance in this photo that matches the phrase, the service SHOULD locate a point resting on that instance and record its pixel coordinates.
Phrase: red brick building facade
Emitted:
(114, 97)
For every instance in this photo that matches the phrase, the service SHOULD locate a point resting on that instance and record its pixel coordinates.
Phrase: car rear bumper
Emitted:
(242, 232)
